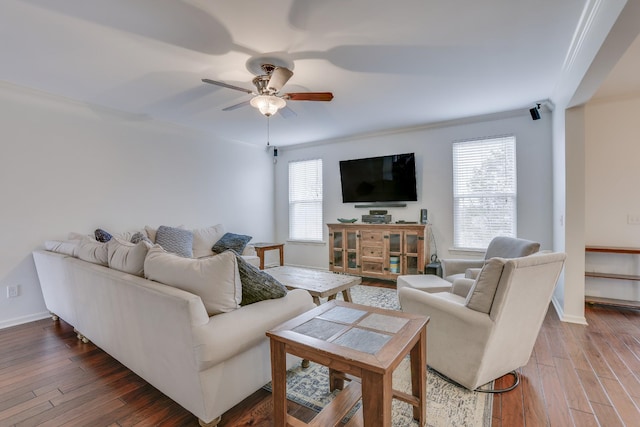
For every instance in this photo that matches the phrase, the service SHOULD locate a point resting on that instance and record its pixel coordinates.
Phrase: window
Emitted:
(484, 191)
(305, 200)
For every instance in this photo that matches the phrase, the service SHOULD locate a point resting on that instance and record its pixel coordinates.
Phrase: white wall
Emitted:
(612, 192)
(69, 167)
(432, 147)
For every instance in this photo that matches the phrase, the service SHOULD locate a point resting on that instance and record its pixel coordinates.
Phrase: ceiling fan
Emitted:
(266, 97)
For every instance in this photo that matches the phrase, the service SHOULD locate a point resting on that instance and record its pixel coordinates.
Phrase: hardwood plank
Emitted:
(542, 349)
(574, 393)
(596, 360)
(584, 419)
(593, 388)
(556, 405)
(532, 395)
(624, 405)
(607, 415)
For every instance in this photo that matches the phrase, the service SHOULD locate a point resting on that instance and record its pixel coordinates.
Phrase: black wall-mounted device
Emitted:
(423, 216)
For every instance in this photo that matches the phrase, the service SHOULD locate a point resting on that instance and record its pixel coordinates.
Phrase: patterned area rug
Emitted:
(447, 404)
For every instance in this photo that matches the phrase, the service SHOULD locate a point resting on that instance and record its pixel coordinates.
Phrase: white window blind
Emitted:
(305, 200)
(484, 191)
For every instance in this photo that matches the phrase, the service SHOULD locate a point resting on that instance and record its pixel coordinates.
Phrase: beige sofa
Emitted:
(206, 363)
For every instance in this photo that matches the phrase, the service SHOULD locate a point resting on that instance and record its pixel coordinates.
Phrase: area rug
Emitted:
(447, 404)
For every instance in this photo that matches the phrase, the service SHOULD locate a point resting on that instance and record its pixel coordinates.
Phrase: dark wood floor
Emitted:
(577, 375)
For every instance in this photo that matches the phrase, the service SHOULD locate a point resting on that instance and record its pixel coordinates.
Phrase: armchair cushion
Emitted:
(483, 291)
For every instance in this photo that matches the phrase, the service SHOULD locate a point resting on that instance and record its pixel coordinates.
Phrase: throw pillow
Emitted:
(480, 297)
(176, 240)
(215, 280)
(235, 242)
(138, 237)
(126, 256)
(91, 250)
(65, 247)
(257, 285)
(102, 236)
(205, 238)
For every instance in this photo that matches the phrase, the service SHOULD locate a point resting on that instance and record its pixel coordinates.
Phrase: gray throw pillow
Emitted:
(235, 242)
(256, 284)
(480, 297)
(140, 237)
(176, 240)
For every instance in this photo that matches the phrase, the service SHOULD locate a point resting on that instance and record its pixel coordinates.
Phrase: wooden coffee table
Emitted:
(353, 340)
(320, 284)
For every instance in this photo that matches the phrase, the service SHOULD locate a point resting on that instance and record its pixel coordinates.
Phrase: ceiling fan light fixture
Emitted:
(268, 104)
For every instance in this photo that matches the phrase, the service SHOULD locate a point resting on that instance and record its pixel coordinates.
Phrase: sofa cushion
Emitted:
(216, 280)
(235, 242)
(176, 240)
(256, 284)
(480, 297)
(126, 256)
(205, 238)
(91, 250)
(102, 235)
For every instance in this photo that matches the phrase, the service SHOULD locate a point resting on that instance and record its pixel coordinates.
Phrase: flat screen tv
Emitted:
(379, 179)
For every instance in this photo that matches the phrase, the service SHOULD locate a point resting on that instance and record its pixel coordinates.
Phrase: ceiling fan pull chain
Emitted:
(268, 131)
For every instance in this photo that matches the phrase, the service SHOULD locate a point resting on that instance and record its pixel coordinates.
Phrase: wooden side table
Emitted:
(261, 247)
(353, 340)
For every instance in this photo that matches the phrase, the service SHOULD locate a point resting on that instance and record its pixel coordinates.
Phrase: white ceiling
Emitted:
(389, 64)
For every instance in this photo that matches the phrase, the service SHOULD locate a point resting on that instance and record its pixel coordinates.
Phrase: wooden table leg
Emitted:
(419, 377)
(377, 394)
(281, 248)
(346, 295)
(279, 382)
(260, 253)
(336, 380)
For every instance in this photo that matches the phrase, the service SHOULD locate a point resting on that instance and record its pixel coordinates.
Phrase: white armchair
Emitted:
(501, 246)
(492, 331)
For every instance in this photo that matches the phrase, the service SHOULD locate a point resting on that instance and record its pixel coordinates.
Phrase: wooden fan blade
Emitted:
(236, 106)
(309, 96)
(279, 77)
(228, 86)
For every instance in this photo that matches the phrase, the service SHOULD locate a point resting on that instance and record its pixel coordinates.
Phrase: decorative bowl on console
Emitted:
(347, 221)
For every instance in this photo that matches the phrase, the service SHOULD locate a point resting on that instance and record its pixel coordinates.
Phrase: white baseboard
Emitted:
(24, 319)
(580, 320)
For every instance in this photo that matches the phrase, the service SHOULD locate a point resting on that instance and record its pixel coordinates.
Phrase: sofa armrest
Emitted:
(249, 250)
(462, 287)
(228, 334)
(451, 267)
(472, 273)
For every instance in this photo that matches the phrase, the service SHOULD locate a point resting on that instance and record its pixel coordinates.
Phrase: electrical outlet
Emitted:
(12, 291)
(633, 219)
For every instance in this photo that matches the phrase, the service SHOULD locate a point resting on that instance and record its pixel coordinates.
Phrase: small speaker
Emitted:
(535, 114)
(423, 216)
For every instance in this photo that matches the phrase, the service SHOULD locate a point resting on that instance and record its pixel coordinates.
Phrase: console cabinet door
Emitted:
(352, 251)
(413, 253)
(336, 254)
